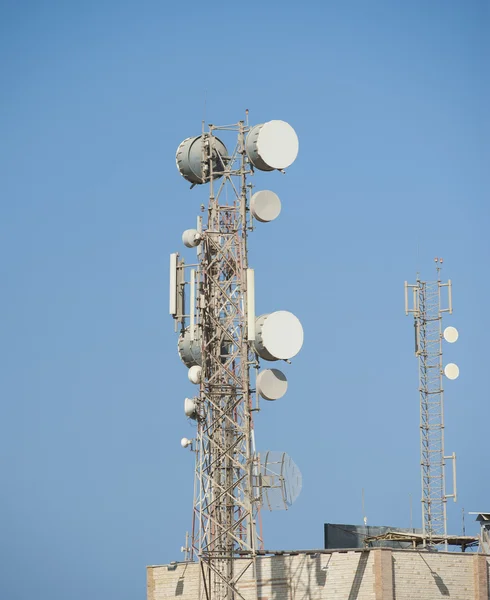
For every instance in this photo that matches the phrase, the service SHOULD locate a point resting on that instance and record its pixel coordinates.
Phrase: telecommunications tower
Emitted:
(221, 341)
(430, 300)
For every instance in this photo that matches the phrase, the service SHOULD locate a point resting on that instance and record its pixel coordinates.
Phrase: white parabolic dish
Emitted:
(279, 335)
(265, 206)
(189, 350)
(272, 145)
(189, 159)
(194, 374)
(191, 238)
(451, 334)
(190, 408)
(272, 384)
(451, 371)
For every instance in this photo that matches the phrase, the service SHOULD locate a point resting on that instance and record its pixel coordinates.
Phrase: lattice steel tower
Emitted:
(221, 342)
(427, 309)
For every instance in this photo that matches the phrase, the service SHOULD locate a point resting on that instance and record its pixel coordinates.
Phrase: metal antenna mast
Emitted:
(225, 507)
(221, 341)
(427, 309)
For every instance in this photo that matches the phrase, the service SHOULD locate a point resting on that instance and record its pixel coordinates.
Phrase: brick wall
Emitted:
(424, 576)
(378, 574)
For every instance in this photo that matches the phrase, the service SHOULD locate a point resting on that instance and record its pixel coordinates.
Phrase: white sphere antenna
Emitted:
(185, 442)
(451, 334)
(189, 349)
(451, 371)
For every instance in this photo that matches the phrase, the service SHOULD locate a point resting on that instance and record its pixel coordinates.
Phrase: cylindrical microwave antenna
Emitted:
(190, 408)
(278, 335)
(191, 238)
(272, 145)
(272, 384)
(265, 206)
(189, 158)
(194, 374)
(190, 349)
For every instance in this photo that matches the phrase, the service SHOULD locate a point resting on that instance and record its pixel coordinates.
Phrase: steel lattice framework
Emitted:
(226, 505)
(217, 342)
(428, 312)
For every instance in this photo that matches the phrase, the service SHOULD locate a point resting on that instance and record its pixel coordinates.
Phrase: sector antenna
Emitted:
(223, 343)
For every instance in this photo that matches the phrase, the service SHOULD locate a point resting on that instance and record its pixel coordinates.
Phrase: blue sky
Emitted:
(390, 103)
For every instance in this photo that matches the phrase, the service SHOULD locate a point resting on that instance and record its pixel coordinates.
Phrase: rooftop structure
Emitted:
(484, 519)
(341, 535)
(371, 574)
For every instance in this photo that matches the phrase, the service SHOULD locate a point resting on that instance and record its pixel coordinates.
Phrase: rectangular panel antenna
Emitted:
(173, 284)
(192, 302)
(251, 305)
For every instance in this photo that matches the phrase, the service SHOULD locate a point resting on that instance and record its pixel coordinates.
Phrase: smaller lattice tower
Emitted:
(430, 300)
